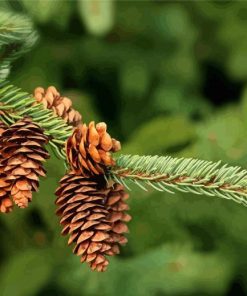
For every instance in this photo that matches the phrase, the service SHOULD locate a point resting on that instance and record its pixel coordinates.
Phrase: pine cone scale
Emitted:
(6, 204)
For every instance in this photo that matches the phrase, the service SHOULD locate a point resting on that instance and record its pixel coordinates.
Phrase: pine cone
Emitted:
(6, 204)
(93, 216)
(62, 106)
(89, 149)
(23, 153)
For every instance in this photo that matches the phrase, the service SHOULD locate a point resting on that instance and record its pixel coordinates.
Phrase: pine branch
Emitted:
(15, 104)
(17, 36)
(185, 175)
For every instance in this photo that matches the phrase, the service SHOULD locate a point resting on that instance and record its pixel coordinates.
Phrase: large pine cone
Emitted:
(93, 216)
(89, 149)
(62, 106)
(23, 153)
(6, 204)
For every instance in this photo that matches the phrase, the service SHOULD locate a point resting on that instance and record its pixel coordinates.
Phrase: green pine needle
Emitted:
(185, 175)
(16, 104)
(17, 36)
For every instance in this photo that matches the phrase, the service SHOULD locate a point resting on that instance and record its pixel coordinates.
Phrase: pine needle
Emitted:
(183, 174)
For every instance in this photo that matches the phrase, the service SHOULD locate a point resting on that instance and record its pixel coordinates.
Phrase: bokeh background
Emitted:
(168, 78)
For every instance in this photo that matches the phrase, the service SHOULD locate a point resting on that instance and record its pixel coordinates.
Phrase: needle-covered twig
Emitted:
(186, 175)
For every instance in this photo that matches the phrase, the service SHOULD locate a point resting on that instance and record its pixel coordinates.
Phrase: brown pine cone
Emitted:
(23, 153)
(61, 106)
(89, 149)
(6, 204)
(93, 216)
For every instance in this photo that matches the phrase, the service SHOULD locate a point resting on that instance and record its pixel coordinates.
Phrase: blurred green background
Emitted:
(168, 78)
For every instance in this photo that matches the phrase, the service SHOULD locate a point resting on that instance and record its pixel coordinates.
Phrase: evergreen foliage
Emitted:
(186, 175)
(17, 36)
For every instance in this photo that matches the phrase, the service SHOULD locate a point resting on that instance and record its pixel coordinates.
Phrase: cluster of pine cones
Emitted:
(92, 209)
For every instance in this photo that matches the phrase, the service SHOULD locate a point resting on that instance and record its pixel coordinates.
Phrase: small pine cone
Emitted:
(89, 149)
(6, 204)
(92, 214)
(23, 153)
(61, 106)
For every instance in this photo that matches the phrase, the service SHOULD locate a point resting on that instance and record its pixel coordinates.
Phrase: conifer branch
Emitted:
(17, 36)
(16, 104)
(185, 175)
